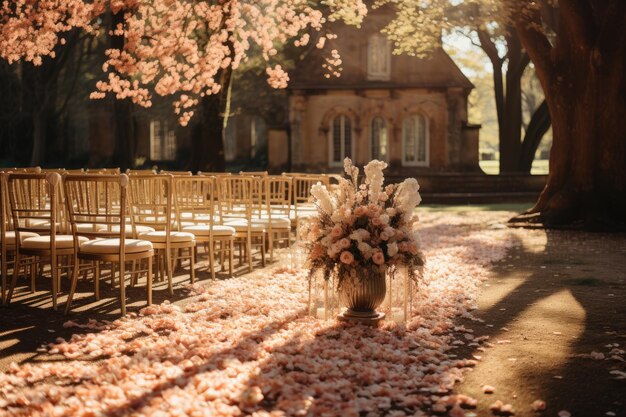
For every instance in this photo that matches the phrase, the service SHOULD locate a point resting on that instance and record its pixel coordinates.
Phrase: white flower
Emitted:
(365, 249)
(322, 197)
(374, 178)
(384, 219)
(408, 197)
(360, 235)
(392, 249)
(351, 170)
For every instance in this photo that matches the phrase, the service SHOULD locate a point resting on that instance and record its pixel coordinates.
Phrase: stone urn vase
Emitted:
(362, 291)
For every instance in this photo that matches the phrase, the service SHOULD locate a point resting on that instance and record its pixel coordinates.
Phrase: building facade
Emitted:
(407, 111)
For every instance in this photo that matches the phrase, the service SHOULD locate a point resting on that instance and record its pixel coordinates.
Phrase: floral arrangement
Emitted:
(364, 225)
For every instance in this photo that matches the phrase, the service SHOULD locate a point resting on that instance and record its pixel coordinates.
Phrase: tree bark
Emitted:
(584, 80)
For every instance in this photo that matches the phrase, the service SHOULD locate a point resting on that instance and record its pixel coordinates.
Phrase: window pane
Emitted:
(337, 139)
(347, 137)
(408, 133)
(421, 136)
(379, 139)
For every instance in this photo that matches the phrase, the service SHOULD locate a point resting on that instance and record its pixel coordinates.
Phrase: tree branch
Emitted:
(535, 42)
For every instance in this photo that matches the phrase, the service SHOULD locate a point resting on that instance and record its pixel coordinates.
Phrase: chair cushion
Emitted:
(129, 229)
(203, 230)
(88, 227)
(43, 242)
(276, 222)
(9, 237)
(160, 237)
(242, 226)
(112, 246)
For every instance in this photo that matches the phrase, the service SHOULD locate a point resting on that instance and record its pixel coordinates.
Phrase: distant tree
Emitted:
(578, 48)
(417, 30)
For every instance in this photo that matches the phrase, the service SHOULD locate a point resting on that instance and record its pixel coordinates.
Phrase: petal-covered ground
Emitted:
(244, 346)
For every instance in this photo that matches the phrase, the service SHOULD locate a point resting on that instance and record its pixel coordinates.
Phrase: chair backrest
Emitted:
(236, 196)
(140, 171)
(302, 187)
(177, 173)
(194, 199)
(104, 171)
(34, 202)
(254, 173)
(279, 190)
(150, 201)
(99, 202)
(215, 174)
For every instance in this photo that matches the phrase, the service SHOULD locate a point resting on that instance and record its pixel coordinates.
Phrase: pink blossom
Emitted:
(344, 243)
(346, 257)
(378, 258)
(336, 231)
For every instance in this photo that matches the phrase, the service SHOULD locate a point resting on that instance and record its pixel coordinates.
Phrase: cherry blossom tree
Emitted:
(183, 49)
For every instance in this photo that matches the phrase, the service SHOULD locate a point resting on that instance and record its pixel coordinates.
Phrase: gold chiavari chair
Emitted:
(195, 202)
(278, 200)
(151, 199)
(302, 201)
(34, 201)
(8, 235)
(177, 173)
(140, 171)
(237, 206)
(104, 171)
(101, 200)
(254, 173)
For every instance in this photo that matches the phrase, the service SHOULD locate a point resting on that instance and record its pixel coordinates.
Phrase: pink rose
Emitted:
(403, 247)
(376, 221)
(378, 258)
(344, 243)
(337, 231)
(360, 211)
(383, 197)
(346, 257)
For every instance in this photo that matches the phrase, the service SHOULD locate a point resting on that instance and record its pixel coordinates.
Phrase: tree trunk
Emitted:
(584, 78)
(537, 128)
(124, 151)
(208, 132)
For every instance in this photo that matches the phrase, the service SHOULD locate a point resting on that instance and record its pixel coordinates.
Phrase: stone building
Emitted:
(408, 111)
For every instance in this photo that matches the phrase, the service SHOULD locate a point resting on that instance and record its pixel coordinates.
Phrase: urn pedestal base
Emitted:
(368, 318)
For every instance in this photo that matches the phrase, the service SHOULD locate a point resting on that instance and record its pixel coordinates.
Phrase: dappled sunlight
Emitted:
(246, 345)
(516, 353)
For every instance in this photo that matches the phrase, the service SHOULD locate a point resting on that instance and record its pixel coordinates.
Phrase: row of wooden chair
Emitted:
(218, 211)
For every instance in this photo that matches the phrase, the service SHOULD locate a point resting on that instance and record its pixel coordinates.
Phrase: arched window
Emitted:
(378, 58)
(340, 140)
(415, 141)
(379, 143)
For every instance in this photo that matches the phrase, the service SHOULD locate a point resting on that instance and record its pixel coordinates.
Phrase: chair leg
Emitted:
(263, 250)
(122, 269)
(16, 269)
(168, 260)
(249, 252)
(97, 281)
(55, 280)
(113, 274)
(33, 274)
(192, 265)
(270, 236)
(68, 304)
(231, 248)
(150, 282)
(212, 259)
(3, 270)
